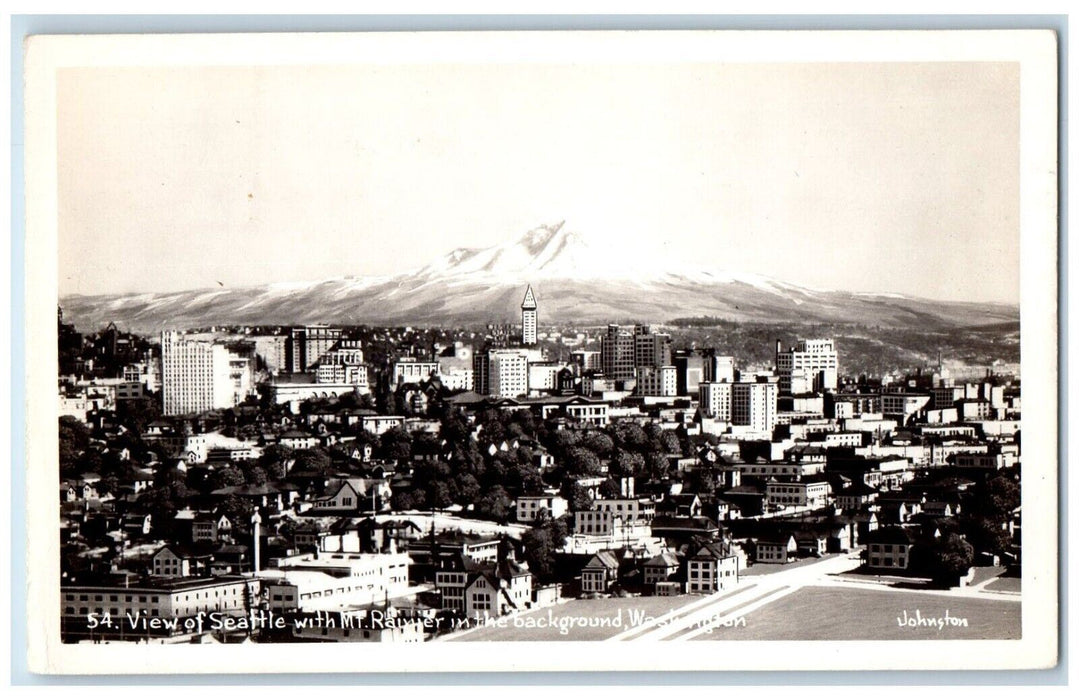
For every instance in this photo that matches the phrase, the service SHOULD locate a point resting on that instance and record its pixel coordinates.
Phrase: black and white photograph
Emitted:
(547, 339)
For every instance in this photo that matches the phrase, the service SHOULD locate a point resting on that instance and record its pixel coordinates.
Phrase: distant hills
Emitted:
(573, 283)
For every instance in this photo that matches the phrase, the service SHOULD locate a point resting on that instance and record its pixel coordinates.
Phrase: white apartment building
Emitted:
(195, 375)
(811, 365)
(715, 400)
(507, 373)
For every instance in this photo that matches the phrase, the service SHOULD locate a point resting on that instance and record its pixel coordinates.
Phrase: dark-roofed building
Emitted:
(888, 548)
(661, 568)
(713, 567)
(600, 573)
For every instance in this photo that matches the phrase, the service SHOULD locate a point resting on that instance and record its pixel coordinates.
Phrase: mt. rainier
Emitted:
(573, 282)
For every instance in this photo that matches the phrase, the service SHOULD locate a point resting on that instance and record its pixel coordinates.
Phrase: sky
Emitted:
(891, 178)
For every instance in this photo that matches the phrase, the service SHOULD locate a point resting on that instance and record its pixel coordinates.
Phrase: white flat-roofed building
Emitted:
(195, 375)
(408, 370)
(528, 507)
(806, 494)
(814, 360)
(327, 581)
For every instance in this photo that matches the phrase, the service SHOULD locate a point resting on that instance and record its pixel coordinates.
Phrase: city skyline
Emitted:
(294, 174)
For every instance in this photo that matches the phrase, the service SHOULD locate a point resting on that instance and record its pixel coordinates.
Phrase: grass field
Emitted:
(1013, 584)
(818, 613)
(516, 628)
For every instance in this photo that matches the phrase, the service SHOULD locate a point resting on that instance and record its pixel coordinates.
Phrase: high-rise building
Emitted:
(719, 368)
(507, 373)
(617, 353)
(307, 344)
(809, 366)
(528, 318)
(753, 405)
(195, 374)
(657, 381)
(715, 400)
(651, 349)
(691, 371)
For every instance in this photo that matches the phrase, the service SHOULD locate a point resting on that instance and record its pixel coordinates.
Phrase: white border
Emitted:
(1034, 50)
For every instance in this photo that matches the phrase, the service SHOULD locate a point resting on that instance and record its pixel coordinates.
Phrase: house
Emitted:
(600, 573)
(811, 543)
(683, 504)
(776, 549)
(505, 590)
(297, 440)
(855, 496)
(485, 588)
(714, 567)
(137, 524)
(178, 562)
(211, 528)
(661, 568)
(678, 530)
(888, 548)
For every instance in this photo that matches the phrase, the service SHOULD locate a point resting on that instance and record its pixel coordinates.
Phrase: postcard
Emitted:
(541, 351)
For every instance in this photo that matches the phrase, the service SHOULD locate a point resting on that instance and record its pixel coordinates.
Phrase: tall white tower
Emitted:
(528, 318)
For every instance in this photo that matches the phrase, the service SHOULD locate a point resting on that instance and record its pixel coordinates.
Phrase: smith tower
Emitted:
(528, 318)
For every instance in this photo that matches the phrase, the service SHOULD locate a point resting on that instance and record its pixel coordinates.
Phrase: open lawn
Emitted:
(536, 626)
(819, 613)
(1011, 584)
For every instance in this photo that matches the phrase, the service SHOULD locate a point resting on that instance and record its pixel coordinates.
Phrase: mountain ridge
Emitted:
(573, 282)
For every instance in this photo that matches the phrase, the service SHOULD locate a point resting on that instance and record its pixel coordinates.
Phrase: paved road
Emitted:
(751, 593)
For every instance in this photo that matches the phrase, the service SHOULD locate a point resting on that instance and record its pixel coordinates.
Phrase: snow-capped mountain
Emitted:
(572, 280)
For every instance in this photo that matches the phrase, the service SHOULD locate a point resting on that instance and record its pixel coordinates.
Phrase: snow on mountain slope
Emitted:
(573, 281)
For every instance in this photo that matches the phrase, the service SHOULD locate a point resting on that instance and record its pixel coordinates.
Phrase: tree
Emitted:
(228, 475)
(582, 461)
(238, 510)
(950, 558)
(576, 496)
(275, 459)
(599, 443)
(439, 494)
(627, 463)
(494, 505)
(74, 439)
(610, 489)
(998, 498)
(254, 475)
(468, 488)
(539, 552)
(313, 460)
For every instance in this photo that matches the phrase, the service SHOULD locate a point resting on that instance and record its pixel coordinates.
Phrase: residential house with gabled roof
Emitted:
(888, 548)
(177, 561)
(775, 549)
(715, 566)
(600, 573)
(855, 496)
(662, 568)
